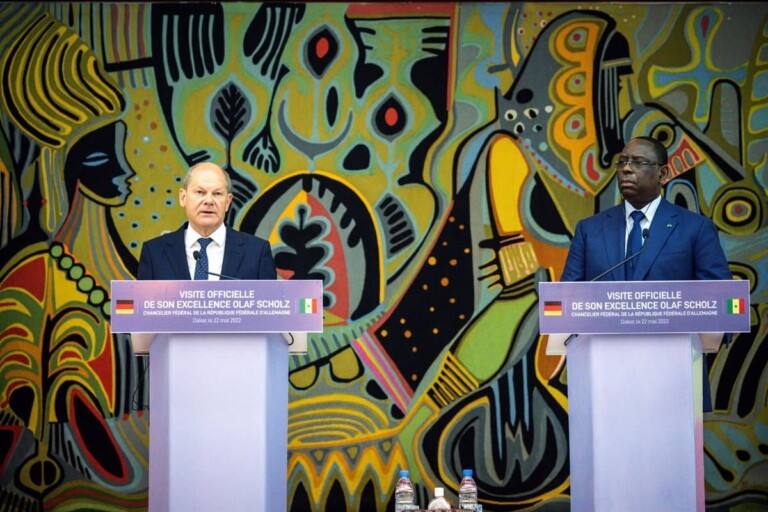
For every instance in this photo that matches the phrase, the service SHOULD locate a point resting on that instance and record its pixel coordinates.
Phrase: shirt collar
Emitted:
(648, 210)
(191, 236)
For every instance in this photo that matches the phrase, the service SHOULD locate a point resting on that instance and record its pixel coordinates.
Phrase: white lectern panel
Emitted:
(635, 423)
(218, 422)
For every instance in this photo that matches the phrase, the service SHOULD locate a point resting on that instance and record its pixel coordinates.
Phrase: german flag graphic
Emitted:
(553, 308)
(124, 307)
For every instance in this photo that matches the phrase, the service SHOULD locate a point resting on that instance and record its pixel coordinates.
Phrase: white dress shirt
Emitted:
(215, 250)
(648, 210)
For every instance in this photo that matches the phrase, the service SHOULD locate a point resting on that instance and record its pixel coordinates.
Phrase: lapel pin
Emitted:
(669, 225)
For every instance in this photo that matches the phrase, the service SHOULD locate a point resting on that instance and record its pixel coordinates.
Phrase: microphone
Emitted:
(196, 255)
(625, 260)
(622, 262)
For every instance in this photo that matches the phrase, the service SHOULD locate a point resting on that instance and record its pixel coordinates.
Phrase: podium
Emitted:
(218, 386)
(634, 352)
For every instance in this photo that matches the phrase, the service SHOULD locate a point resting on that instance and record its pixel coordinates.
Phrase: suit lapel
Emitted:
(233, 253)
(664, 223)
(614, 227)
(176, 254)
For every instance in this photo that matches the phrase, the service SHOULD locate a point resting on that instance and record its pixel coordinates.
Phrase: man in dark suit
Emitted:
(204, 248)
(680, 245)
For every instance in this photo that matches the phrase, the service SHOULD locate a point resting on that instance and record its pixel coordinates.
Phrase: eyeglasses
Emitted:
(635, 165)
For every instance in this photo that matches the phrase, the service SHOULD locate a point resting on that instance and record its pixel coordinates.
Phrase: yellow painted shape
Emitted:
(507, 171)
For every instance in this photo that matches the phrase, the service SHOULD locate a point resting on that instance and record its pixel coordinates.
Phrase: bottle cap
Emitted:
(467, 472)
(404, 473)
(439, 492)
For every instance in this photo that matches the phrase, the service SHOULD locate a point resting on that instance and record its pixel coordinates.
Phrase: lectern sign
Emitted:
(644, 307)
(217, 306)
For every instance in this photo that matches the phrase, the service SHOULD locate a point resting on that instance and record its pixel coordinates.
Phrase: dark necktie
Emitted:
(201, 266)
(634, 243)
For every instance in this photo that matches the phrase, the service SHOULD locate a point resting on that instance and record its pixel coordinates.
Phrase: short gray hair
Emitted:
(188, 176)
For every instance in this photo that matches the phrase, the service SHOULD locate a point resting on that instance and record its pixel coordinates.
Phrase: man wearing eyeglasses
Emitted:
(671, 243)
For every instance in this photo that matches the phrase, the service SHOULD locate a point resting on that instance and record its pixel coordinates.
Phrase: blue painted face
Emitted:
(97, 165)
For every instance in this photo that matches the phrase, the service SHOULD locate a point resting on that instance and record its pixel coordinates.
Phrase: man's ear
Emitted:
(664, 174)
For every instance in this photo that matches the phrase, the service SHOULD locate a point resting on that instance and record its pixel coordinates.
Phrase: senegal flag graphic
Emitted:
(735, 306)
(308, 306)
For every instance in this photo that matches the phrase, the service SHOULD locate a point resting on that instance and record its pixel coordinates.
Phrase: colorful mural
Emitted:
(427, 161)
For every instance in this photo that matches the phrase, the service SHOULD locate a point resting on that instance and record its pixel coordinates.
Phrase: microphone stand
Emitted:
(625, 260)
(196, 255)
(619, 264)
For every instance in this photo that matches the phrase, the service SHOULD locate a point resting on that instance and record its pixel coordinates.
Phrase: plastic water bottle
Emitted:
(404, 492)
(468, 491)
(439, 502)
